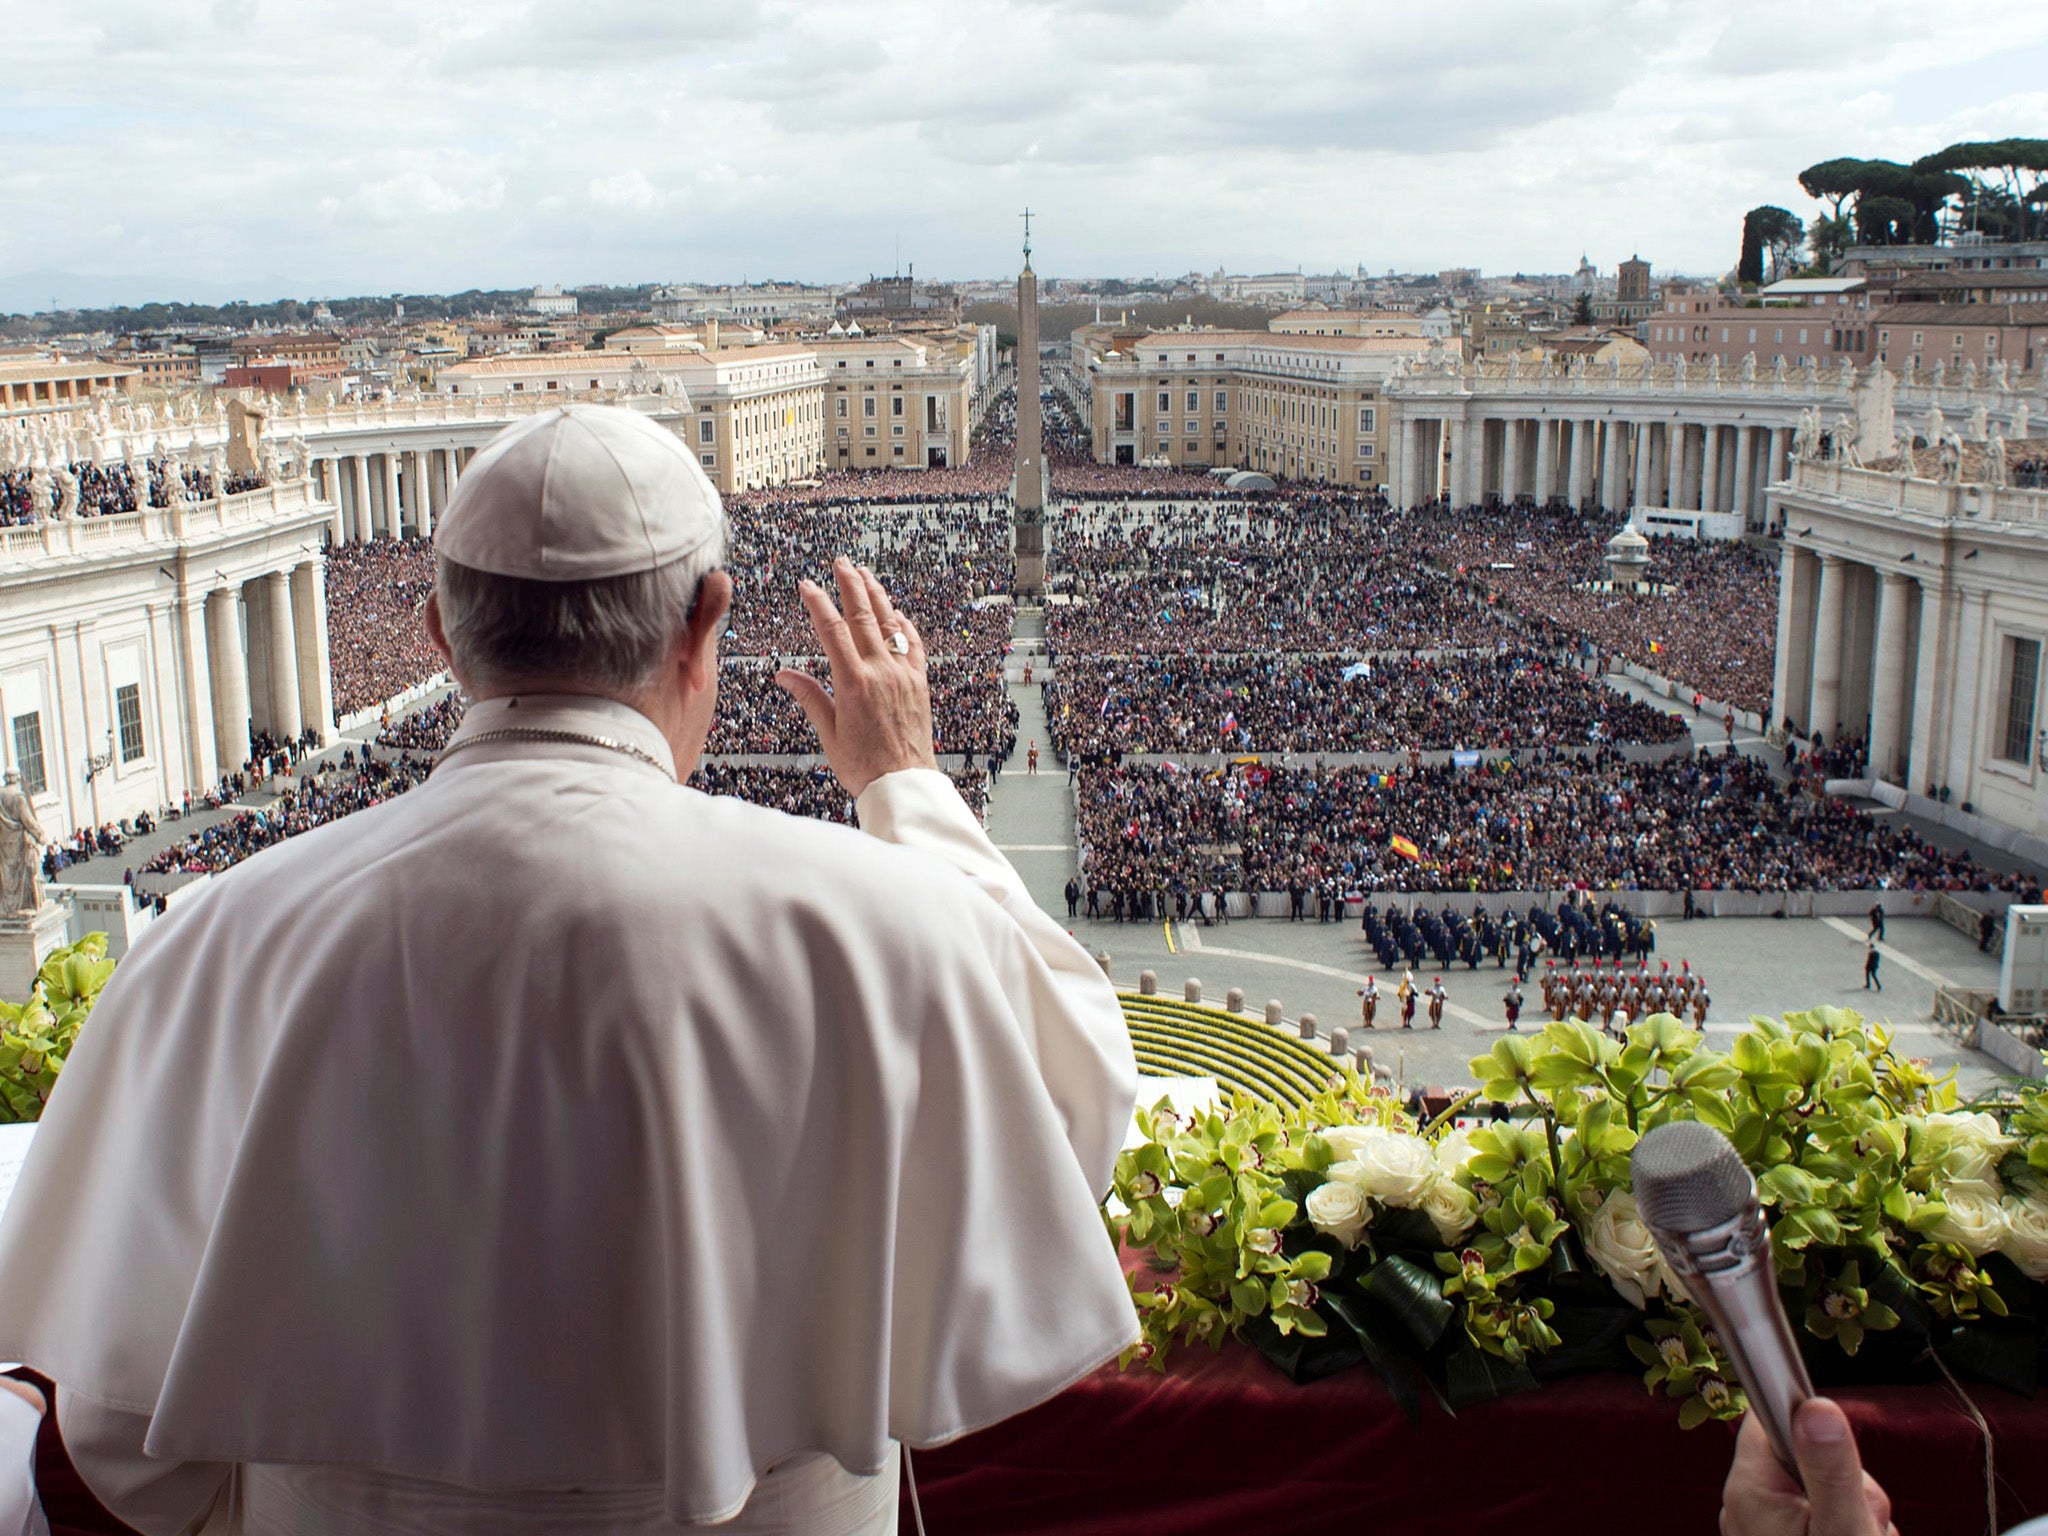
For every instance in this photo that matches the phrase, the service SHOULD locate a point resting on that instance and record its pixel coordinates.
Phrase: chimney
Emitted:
(710, 335)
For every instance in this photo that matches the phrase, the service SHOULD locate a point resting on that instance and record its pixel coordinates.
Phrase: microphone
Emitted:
(1698, 1200)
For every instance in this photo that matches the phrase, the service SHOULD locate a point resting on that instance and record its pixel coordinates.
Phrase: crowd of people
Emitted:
(325, 794)
(1263, 702)
(103, 490)
(972, 712)
(1538, 821)
(1712, 624)
(376, 641)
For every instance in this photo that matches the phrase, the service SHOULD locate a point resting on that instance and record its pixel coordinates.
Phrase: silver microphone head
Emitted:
(1689, 1177)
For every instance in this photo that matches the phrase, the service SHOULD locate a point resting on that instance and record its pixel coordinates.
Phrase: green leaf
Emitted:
(1411, 1294)
(1471, 1375)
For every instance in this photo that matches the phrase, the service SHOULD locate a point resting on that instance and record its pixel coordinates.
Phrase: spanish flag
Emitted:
(1404, 847)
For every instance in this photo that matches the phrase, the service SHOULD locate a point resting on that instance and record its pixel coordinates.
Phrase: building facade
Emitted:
(1912, 613)
(1689, 449)
(1306, 407)
(138, 652)
(896, 403)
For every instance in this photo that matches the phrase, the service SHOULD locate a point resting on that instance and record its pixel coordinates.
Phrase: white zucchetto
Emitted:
(580, 493)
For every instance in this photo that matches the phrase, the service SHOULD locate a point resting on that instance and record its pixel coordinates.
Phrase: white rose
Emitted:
(2026, 1237)
(1454, 1151)
(1346, 1140)
(1450, 1209)
(1621, 1247)
(1393, 1167)
(1975, 1222)
(1966, 1148)
(1337, 1210)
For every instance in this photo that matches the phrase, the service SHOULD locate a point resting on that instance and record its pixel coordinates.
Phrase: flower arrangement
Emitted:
(36, 1035)
(1910, 1232)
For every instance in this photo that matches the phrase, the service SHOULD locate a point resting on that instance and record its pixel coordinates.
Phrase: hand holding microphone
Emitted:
(1796, 1470)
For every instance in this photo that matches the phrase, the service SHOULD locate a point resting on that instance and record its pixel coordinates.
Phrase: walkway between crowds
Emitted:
(1031, 816)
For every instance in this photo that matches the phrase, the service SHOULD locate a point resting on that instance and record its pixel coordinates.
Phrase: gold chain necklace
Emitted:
(542, 733)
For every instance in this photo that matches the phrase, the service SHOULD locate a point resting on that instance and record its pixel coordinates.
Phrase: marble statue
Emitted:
(1847, 450)
(2022, 420)
(1980, 424)
(1902, 450)
(1874, 415)
(67, 492)
(1778, 369)
(1937, 425)
(1939, 378)
(1714, 371)
(1848, 376)
(1999, 378)
(1614, 368)
(1514, 366)
(1994, 459)
(1749, 368)
(21, 851)
(1951, 458)
(1812, 372)
(1969, 373)
(1806, 435)
(1678, 372)
(41, 491)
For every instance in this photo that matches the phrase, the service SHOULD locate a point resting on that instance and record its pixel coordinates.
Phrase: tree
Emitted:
(1829, 235)
(1749, 266)
(1582, 312)
(1774, 230)
(2010, 174)
(1833, 181)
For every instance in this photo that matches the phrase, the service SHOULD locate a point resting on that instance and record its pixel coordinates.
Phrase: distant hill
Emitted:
(1059, 321)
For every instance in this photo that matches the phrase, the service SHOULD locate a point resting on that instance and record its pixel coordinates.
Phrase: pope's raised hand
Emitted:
(876, 717)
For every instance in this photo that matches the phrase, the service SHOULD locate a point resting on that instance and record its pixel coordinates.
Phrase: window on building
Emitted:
(867, 407)
(1222, 400)
(1367, 418)
(128, 711)
(28, 752)
(895, 405)
(2022, 679)
(897, 430)
(706, 432)
(1165, 399)
(867, 431)
(841, 403)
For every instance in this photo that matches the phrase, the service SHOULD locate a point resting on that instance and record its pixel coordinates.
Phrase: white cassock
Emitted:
(552, 1148)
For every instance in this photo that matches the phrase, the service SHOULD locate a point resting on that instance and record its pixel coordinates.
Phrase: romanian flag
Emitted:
(1656, 647)
(1404, 847)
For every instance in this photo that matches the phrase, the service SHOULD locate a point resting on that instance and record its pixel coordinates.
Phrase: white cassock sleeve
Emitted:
(1082, 1046)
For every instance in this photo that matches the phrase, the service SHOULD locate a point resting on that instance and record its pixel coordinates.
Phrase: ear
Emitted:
(430, 614)
(698, 653)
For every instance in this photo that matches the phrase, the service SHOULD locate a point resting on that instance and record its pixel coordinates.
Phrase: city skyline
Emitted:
(329, 151)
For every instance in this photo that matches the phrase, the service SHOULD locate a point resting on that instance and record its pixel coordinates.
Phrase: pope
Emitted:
(555, 1147)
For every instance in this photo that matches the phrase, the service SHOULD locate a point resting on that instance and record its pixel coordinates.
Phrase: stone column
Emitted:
(1546, 460)
(230, 677)
(1780, 454)
(195, 684)
(1610, 495)
(1674, 465)
(394, 519)
(1411, 456)
(1710, 469)
(1888, 678)
(366, 527)
(1639, 489)
(1825, 713)
(309, 633)
(1924, 748)
(1510, 459)
(285, 714)
(1575, 472)
(1792, 680)
(1745, 472)
(423, 496)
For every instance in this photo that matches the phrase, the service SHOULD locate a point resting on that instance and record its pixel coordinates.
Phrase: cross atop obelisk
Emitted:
(1029, 486)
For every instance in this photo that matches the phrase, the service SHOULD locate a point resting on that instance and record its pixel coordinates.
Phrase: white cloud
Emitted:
(381, 145)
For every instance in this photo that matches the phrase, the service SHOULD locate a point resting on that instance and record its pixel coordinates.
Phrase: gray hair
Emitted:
(616, 633)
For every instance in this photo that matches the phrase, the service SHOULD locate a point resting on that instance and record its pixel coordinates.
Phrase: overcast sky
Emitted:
(266, 147)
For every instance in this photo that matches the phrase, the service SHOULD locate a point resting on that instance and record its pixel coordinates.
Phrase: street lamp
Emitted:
(95, 766)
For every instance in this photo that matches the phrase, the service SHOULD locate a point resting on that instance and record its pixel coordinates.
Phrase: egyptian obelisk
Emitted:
(1029, 487)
